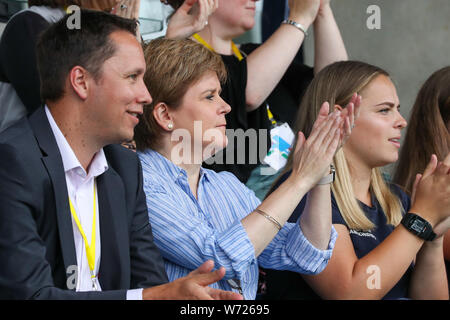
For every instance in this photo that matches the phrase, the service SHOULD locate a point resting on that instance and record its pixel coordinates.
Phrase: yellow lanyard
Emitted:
(90, 249)
(235, 49)
(270, 116)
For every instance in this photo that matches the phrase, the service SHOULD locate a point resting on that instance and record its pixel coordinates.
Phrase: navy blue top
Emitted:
(289, 285)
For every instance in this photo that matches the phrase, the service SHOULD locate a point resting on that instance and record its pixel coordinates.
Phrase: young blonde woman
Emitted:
(376, 255)
(198, 214)
(429, 132)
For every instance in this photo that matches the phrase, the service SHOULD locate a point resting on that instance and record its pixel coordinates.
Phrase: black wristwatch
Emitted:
(418, 226)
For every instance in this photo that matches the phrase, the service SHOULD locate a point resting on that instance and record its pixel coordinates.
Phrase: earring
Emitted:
(170, 126)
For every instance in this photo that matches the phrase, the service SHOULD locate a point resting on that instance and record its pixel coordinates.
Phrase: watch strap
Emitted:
(328, 178)
(418, 226)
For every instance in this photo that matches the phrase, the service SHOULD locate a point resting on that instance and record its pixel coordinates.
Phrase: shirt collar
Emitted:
(162, 164)
(70, 162)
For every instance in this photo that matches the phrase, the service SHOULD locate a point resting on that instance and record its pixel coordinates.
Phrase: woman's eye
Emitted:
(210, 97)
(133, 76)
(386, 110)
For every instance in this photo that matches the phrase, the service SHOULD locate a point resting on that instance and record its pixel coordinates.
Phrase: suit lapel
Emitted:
(114, 270)
(65, 229)
(53, 163)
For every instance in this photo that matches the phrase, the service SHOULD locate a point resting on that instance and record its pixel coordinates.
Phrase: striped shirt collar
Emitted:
(161, 164)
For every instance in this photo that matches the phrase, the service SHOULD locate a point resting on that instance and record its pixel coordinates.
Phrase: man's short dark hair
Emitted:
(59, 49)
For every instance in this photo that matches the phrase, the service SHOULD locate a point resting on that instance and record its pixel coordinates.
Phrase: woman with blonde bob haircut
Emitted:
(264, 84)
(374, 253)
(198, 214)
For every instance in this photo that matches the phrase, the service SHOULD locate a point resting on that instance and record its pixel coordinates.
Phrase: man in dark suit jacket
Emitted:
(92, 83)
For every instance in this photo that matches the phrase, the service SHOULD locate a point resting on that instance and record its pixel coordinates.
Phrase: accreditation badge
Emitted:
(282, 138)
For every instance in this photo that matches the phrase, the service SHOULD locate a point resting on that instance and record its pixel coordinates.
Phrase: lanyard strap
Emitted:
(90, 249)
(270, 116)
(235, 49)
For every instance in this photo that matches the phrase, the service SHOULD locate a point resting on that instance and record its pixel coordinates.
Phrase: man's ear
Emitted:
(162, 116)
(79, 81)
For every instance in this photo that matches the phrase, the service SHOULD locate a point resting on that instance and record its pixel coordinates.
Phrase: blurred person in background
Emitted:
(19, 79)
(428, 133)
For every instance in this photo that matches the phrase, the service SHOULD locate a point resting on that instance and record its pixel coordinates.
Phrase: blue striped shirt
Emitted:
(189, 231)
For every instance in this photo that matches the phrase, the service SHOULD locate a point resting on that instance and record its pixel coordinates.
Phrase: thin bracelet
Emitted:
(299, 26)
(270, 218)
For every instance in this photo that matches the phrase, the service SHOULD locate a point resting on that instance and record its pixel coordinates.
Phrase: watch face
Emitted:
(418, 225)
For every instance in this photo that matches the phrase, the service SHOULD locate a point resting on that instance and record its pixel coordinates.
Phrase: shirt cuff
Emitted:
(135, 294)
(311, 259)
(239, 250)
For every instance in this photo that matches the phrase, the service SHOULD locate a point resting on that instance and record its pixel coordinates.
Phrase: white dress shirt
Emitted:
(80, 187)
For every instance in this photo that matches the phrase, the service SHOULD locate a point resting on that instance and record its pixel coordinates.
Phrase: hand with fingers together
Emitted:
(431, 192)
(349, 116)
(304, 11)
(191, 17)
(313, 156)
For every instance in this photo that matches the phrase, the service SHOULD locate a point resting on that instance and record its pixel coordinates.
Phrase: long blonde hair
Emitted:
(336, 84)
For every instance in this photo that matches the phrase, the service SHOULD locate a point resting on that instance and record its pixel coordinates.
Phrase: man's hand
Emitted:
(193, 287)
